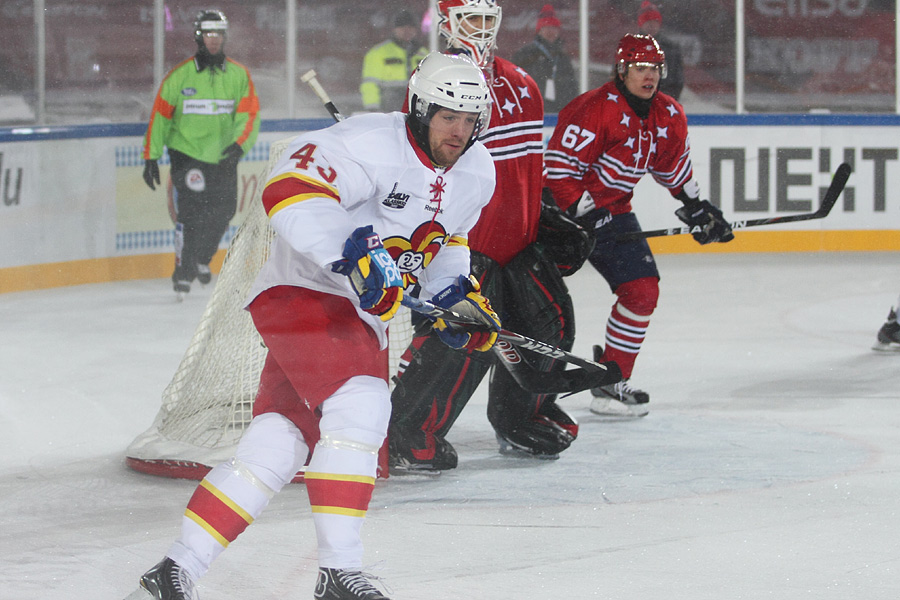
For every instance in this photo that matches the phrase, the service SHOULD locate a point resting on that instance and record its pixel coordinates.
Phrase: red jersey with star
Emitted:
(509, 222)
(601, 146)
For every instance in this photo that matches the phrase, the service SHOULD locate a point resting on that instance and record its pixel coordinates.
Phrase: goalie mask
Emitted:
(470, 26)
(209, 21)
(639, 49)
(446, 81)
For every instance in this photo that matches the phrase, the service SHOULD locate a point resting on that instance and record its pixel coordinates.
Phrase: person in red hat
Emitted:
(650, 23)
(545, 59)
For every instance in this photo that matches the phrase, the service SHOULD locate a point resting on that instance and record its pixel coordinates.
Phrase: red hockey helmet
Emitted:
(639, 49)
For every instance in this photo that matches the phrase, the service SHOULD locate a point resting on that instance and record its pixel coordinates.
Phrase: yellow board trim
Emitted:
(96, 270)
(156, 266)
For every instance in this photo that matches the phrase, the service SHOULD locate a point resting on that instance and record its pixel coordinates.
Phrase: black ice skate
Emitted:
(204, 275)
(889, 335)
(406, 457)
(344, 584)
(543, 436)
(166, 581)
(181, 285)
(619, 400)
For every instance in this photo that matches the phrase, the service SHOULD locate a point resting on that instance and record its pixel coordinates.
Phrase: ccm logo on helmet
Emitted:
(469, 97)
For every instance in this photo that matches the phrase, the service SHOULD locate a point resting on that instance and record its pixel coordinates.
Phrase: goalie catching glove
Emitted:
(705, 220)
(566, 242)
(463, 298)
(373, 274)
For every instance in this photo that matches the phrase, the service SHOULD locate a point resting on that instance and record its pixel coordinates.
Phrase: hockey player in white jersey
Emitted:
(362, 210)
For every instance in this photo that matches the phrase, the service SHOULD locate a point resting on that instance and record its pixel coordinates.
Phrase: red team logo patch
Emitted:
(414, 254)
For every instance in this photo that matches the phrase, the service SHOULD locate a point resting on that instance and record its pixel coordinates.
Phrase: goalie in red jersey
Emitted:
(605, 141)
(519, 275)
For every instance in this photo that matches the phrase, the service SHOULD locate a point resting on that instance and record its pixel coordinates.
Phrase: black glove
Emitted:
(565, 242)
(232, 154)
(706, 222)
(151, 173)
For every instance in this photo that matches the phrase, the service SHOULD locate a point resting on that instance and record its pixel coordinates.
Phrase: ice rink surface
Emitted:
(768, 467)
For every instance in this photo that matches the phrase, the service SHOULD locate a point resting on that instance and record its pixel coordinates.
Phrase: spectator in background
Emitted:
(546, 61)
(207, 113)
(650, 23)
(387, 66)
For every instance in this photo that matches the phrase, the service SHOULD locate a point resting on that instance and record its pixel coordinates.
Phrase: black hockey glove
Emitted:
(706, 221)
(232, 154)
(151, 173)
(565, 242)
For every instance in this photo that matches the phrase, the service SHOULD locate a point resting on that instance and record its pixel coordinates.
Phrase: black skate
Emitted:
(204, 275)
(344, 584)
(166, 581)
(619, 400)
(181, 286)
(407, 458)
(889, 335)
(543, 436)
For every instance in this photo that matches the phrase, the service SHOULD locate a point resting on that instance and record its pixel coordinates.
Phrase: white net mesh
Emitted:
(209, 401)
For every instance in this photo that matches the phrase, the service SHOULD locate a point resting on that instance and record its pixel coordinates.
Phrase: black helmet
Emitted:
(209, 20)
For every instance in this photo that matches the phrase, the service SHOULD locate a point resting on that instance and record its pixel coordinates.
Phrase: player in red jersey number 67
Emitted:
(605, 141)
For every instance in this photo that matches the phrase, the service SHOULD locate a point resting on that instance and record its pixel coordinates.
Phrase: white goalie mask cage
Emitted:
(472, 26)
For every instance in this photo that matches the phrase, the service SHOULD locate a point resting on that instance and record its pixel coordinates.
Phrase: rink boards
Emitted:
(75, 209)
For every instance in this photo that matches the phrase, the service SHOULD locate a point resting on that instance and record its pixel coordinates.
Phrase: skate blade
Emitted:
(179, 296)
(508, 449)
(610, 407)
(139, 594)
(402, 471)
(513, 452)
(889, 348)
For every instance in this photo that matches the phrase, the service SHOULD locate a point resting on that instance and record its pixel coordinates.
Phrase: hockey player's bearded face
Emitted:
(642, 79)
(449, 132)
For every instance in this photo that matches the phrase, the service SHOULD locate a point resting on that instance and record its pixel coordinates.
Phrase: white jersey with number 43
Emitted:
(367, 170)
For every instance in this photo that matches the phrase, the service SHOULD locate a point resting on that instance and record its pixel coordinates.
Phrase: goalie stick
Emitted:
(828, 201)
(591, 374)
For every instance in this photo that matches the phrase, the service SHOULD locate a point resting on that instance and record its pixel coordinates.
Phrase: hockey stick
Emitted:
(828, 201)
(310, 78)
(514, 339)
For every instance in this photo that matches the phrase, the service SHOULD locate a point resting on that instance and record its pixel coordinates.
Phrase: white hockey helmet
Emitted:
(472, 26)
(449, 81)
(209, 21)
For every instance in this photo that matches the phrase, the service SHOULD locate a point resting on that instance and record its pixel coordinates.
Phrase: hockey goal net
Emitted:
(209, 402)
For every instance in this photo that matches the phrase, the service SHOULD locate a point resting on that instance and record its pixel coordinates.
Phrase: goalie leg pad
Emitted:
(429, 397)
(537, 304)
